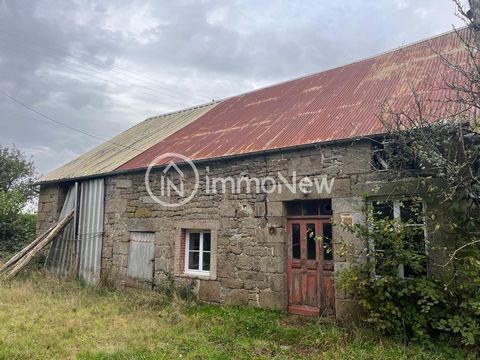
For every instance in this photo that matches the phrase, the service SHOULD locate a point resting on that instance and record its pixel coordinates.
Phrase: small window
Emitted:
(390, 155)
(198, 252)
(379, 157)
(294, 208)
(310, 208)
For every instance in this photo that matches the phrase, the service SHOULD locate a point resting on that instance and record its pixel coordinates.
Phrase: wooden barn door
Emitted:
(310, 267)
(141, 256)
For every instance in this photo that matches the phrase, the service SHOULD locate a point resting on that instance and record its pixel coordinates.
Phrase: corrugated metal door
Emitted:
(60, 258)
(90, 229)
(141, 255)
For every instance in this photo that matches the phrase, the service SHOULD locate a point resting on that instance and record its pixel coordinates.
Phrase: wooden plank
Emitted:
(40, 245)
(26, 249)
(303, 310)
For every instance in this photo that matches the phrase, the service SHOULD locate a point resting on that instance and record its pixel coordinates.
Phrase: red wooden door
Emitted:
(310, 267)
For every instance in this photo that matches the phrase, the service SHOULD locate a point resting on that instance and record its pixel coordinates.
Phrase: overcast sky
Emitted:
(103, 66)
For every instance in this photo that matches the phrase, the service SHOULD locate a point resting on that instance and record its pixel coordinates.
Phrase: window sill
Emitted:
(196, 275)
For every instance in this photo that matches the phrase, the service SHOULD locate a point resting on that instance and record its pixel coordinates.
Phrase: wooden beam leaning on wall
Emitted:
(23, 257)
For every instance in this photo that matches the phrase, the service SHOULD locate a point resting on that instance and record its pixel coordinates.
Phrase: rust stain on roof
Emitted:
(341, 103)
(336, 104)
(261, 101)
(314, 88)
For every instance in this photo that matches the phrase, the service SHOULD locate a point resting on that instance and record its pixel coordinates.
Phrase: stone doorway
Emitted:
(310, 263)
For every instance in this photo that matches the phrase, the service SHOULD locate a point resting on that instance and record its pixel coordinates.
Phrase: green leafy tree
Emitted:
(17, 176)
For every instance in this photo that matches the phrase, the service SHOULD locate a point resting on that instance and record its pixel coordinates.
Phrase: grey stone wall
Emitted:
(50, 202)
(249, 228)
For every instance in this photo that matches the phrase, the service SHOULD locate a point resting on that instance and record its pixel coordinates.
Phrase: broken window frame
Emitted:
(380, 157)
(396, 206)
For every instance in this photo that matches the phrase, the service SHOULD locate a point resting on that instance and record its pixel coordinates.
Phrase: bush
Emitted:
(419, 307)
(16, 228)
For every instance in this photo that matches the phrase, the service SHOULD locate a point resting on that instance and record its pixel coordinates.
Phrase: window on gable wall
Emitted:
(409, 212)
(388, 155)
(198, 252)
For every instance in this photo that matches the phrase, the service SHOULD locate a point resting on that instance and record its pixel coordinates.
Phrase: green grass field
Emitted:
(45, 318)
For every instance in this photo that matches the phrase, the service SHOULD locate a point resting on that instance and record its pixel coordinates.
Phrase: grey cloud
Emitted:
(68, 58)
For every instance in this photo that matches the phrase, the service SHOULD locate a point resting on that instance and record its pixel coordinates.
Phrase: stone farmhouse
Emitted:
(241, 197)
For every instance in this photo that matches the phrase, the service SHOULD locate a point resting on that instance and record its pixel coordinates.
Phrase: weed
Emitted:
(44, 317)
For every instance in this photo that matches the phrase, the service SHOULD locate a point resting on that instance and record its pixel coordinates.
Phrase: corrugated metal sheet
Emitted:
(337, 104)
(141, 255)
(90, 229)
(108, 156)
(60, 257)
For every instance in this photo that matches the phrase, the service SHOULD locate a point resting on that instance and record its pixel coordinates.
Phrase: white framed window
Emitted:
(407, 211)
(198, 252)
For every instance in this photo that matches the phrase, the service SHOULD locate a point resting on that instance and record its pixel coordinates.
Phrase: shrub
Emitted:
(418, 307)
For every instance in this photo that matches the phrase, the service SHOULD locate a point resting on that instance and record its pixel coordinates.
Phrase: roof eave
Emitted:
(220, 158)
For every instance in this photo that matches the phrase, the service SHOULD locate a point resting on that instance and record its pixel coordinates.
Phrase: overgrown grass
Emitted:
(42, 317)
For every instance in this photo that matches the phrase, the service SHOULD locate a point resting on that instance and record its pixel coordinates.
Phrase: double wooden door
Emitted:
(310, 267)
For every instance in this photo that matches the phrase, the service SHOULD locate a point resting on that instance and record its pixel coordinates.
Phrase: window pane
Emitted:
(296, 241)
(311, 251)
(327, 242)
(206, 261)
(294, 208)
(194, 241)
(326, 207)
(206, 241)
(411, 211)
(193, 260)
(310, 208)
(409, 272)
(416, 239)
(382, 210)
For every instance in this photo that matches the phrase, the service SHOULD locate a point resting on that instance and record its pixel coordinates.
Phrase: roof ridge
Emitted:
(398, 48)
(405, 46)
(182, 110)
(383, 53)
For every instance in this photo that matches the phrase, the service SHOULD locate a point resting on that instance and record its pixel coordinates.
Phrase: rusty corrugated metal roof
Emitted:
(124, 147)
(341, 103)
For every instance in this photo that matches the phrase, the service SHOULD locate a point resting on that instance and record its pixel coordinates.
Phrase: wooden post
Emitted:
(39, 244)
(26, 249)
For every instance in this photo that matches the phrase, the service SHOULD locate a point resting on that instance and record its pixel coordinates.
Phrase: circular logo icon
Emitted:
(169, 168)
